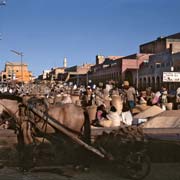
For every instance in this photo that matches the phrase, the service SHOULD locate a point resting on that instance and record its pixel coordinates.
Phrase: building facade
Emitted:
(17, 72)
(161, 44)
(141, 69)
(166, 58)
(77, 74)
(117, 69)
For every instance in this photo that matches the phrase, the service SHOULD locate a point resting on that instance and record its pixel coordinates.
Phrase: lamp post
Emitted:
(137, 70)
(137, 73)
(21, 55)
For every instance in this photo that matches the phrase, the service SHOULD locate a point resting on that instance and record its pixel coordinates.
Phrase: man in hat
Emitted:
(131, 94)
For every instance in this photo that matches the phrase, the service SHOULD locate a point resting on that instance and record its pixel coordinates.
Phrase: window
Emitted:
(158, 65)
(167, 64)
(146, 61)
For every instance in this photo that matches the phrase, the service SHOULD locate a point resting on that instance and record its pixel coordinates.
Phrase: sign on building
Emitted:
(171, 76)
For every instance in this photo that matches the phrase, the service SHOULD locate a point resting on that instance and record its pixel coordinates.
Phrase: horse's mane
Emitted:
(11, 97)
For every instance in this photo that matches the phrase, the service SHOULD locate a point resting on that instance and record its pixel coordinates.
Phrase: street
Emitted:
(165, 171)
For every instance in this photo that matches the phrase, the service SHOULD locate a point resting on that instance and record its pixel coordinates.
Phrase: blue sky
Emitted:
(46, 31)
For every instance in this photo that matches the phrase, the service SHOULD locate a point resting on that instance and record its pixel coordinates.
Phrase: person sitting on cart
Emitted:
(114, 116)
(100, 114)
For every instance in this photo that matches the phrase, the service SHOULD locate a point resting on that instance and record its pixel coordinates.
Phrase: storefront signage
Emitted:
(171, 76)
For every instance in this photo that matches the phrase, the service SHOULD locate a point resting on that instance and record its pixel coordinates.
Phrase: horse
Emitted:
(72, 117)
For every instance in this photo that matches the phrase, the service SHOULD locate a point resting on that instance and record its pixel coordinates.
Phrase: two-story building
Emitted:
(15, 71)
(117, 69)
(166, 58)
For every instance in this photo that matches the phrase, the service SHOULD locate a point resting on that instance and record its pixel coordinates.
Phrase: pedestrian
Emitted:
(156, 98)
(178, 97)
(131, 94)
(143, 98)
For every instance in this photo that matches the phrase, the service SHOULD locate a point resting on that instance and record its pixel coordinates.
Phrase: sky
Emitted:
(47, 31)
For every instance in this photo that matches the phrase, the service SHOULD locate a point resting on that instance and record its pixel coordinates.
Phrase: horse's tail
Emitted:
(87, 129)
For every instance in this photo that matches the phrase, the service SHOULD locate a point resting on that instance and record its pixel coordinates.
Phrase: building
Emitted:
(117, 68)
(141, 69)
(15, 71)
(162, 44)
(44, 75)
(166, 58)
(77, 74)
(56, 73)
(105, 69)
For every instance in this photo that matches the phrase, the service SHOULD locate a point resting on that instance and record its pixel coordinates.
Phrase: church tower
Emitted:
(65, 62)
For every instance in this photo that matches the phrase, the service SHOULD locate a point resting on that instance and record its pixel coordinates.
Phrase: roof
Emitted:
(114, 57)
(15, 64)
(173, 36)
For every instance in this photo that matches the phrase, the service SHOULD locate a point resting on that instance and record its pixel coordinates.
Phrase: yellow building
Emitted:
(15, 71)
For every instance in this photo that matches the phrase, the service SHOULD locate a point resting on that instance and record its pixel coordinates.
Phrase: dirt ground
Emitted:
(170, 171)
(97, 171)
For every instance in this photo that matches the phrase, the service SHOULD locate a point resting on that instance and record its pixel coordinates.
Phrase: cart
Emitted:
(130, 151)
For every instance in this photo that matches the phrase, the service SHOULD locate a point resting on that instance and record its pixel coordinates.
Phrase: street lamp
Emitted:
(21, 55)
(137, 73)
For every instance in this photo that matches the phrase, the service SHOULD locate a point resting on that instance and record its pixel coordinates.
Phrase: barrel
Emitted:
(117, 103)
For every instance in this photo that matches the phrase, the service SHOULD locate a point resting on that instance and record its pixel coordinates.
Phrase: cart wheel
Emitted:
(137, 165)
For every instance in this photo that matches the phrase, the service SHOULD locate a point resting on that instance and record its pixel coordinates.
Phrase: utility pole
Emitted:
(21, 55)
(137, 73)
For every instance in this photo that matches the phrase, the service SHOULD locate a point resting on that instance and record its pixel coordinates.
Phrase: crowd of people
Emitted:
(130, 99)
(107, 113)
